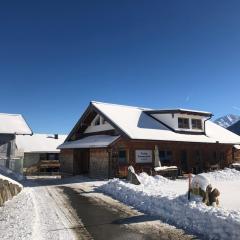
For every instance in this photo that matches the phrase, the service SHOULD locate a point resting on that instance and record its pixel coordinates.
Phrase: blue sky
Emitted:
(56, 56)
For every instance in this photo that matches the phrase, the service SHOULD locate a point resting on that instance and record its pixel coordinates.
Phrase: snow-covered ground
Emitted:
(227, 182)
(17, 217)
(39, 212)
(43, 211)
(168, 199)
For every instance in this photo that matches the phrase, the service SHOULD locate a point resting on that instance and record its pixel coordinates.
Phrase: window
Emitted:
(122, 156)
(49, 156)
(97, 121)
(196, 124)
(43, 156)
(183, 123)
(52, 156)
(165, 157)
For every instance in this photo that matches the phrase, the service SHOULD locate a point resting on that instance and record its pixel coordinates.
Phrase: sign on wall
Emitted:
(143, 156)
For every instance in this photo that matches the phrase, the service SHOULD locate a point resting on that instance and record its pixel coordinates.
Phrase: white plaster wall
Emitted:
(99, 128)
(172, 120)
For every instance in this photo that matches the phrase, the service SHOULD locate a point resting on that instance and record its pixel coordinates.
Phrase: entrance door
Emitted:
(81, 161)
(184, 161)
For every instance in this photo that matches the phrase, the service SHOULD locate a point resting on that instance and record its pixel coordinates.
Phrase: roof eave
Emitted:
(182, 111)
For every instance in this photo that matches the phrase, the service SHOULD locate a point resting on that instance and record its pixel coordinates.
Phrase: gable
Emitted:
(98, 124)
(86, 125)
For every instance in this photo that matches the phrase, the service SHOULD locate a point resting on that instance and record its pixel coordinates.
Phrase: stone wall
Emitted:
(8, 190)
(99, 161)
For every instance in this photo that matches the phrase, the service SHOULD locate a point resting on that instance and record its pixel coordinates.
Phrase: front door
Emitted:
(81, 161)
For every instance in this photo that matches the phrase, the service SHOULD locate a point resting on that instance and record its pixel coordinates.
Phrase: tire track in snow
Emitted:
(55, 219)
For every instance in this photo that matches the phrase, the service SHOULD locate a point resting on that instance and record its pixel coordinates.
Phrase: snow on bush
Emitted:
(164, 198)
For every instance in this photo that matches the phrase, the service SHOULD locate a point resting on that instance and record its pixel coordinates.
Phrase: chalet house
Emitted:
(39, 151)
(109, 137)
(11, 126)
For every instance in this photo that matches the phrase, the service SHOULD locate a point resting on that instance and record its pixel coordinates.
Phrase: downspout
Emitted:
(204, 125)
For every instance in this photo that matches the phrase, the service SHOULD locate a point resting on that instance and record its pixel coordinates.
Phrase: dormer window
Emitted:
(183, 123)
(197, 124)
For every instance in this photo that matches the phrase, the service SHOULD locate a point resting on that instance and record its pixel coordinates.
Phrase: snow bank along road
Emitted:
(71, 209)
(168, 200)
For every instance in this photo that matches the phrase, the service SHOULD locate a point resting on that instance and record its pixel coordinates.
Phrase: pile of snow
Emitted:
(227, 181)
(9, 173)
(200, 181)
(227, 174)
(168, 200)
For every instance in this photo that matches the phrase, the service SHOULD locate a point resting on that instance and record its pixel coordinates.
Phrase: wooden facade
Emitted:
(113, 160)
(188, 157)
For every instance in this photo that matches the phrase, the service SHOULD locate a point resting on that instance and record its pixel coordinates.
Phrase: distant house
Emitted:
(40, 151)
(109, 137)
(11, 126)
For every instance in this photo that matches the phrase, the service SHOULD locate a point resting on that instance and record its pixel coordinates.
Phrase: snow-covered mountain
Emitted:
(227, 120)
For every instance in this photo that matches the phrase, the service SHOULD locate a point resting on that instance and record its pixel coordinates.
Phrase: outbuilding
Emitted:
(11, 126)
(39, 152)
(110, 137)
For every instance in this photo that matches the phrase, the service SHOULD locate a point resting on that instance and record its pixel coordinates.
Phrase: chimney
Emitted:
(56, 136)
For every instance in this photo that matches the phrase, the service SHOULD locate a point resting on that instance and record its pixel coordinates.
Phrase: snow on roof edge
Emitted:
(93, 141)
(39, 143)
(20, 118)
(121, 105)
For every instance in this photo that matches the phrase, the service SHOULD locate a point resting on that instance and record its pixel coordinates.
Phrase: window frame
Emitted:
(166, 157)
(125, 162)
(196, 124)
(183, 123)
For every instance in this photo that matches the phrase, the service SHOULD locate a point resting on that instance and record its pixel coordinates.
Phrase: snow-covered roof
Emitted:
(39, 143)
(13, 124)
(137, 124)
(181, 110)
(237, 146)
(96, 141)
